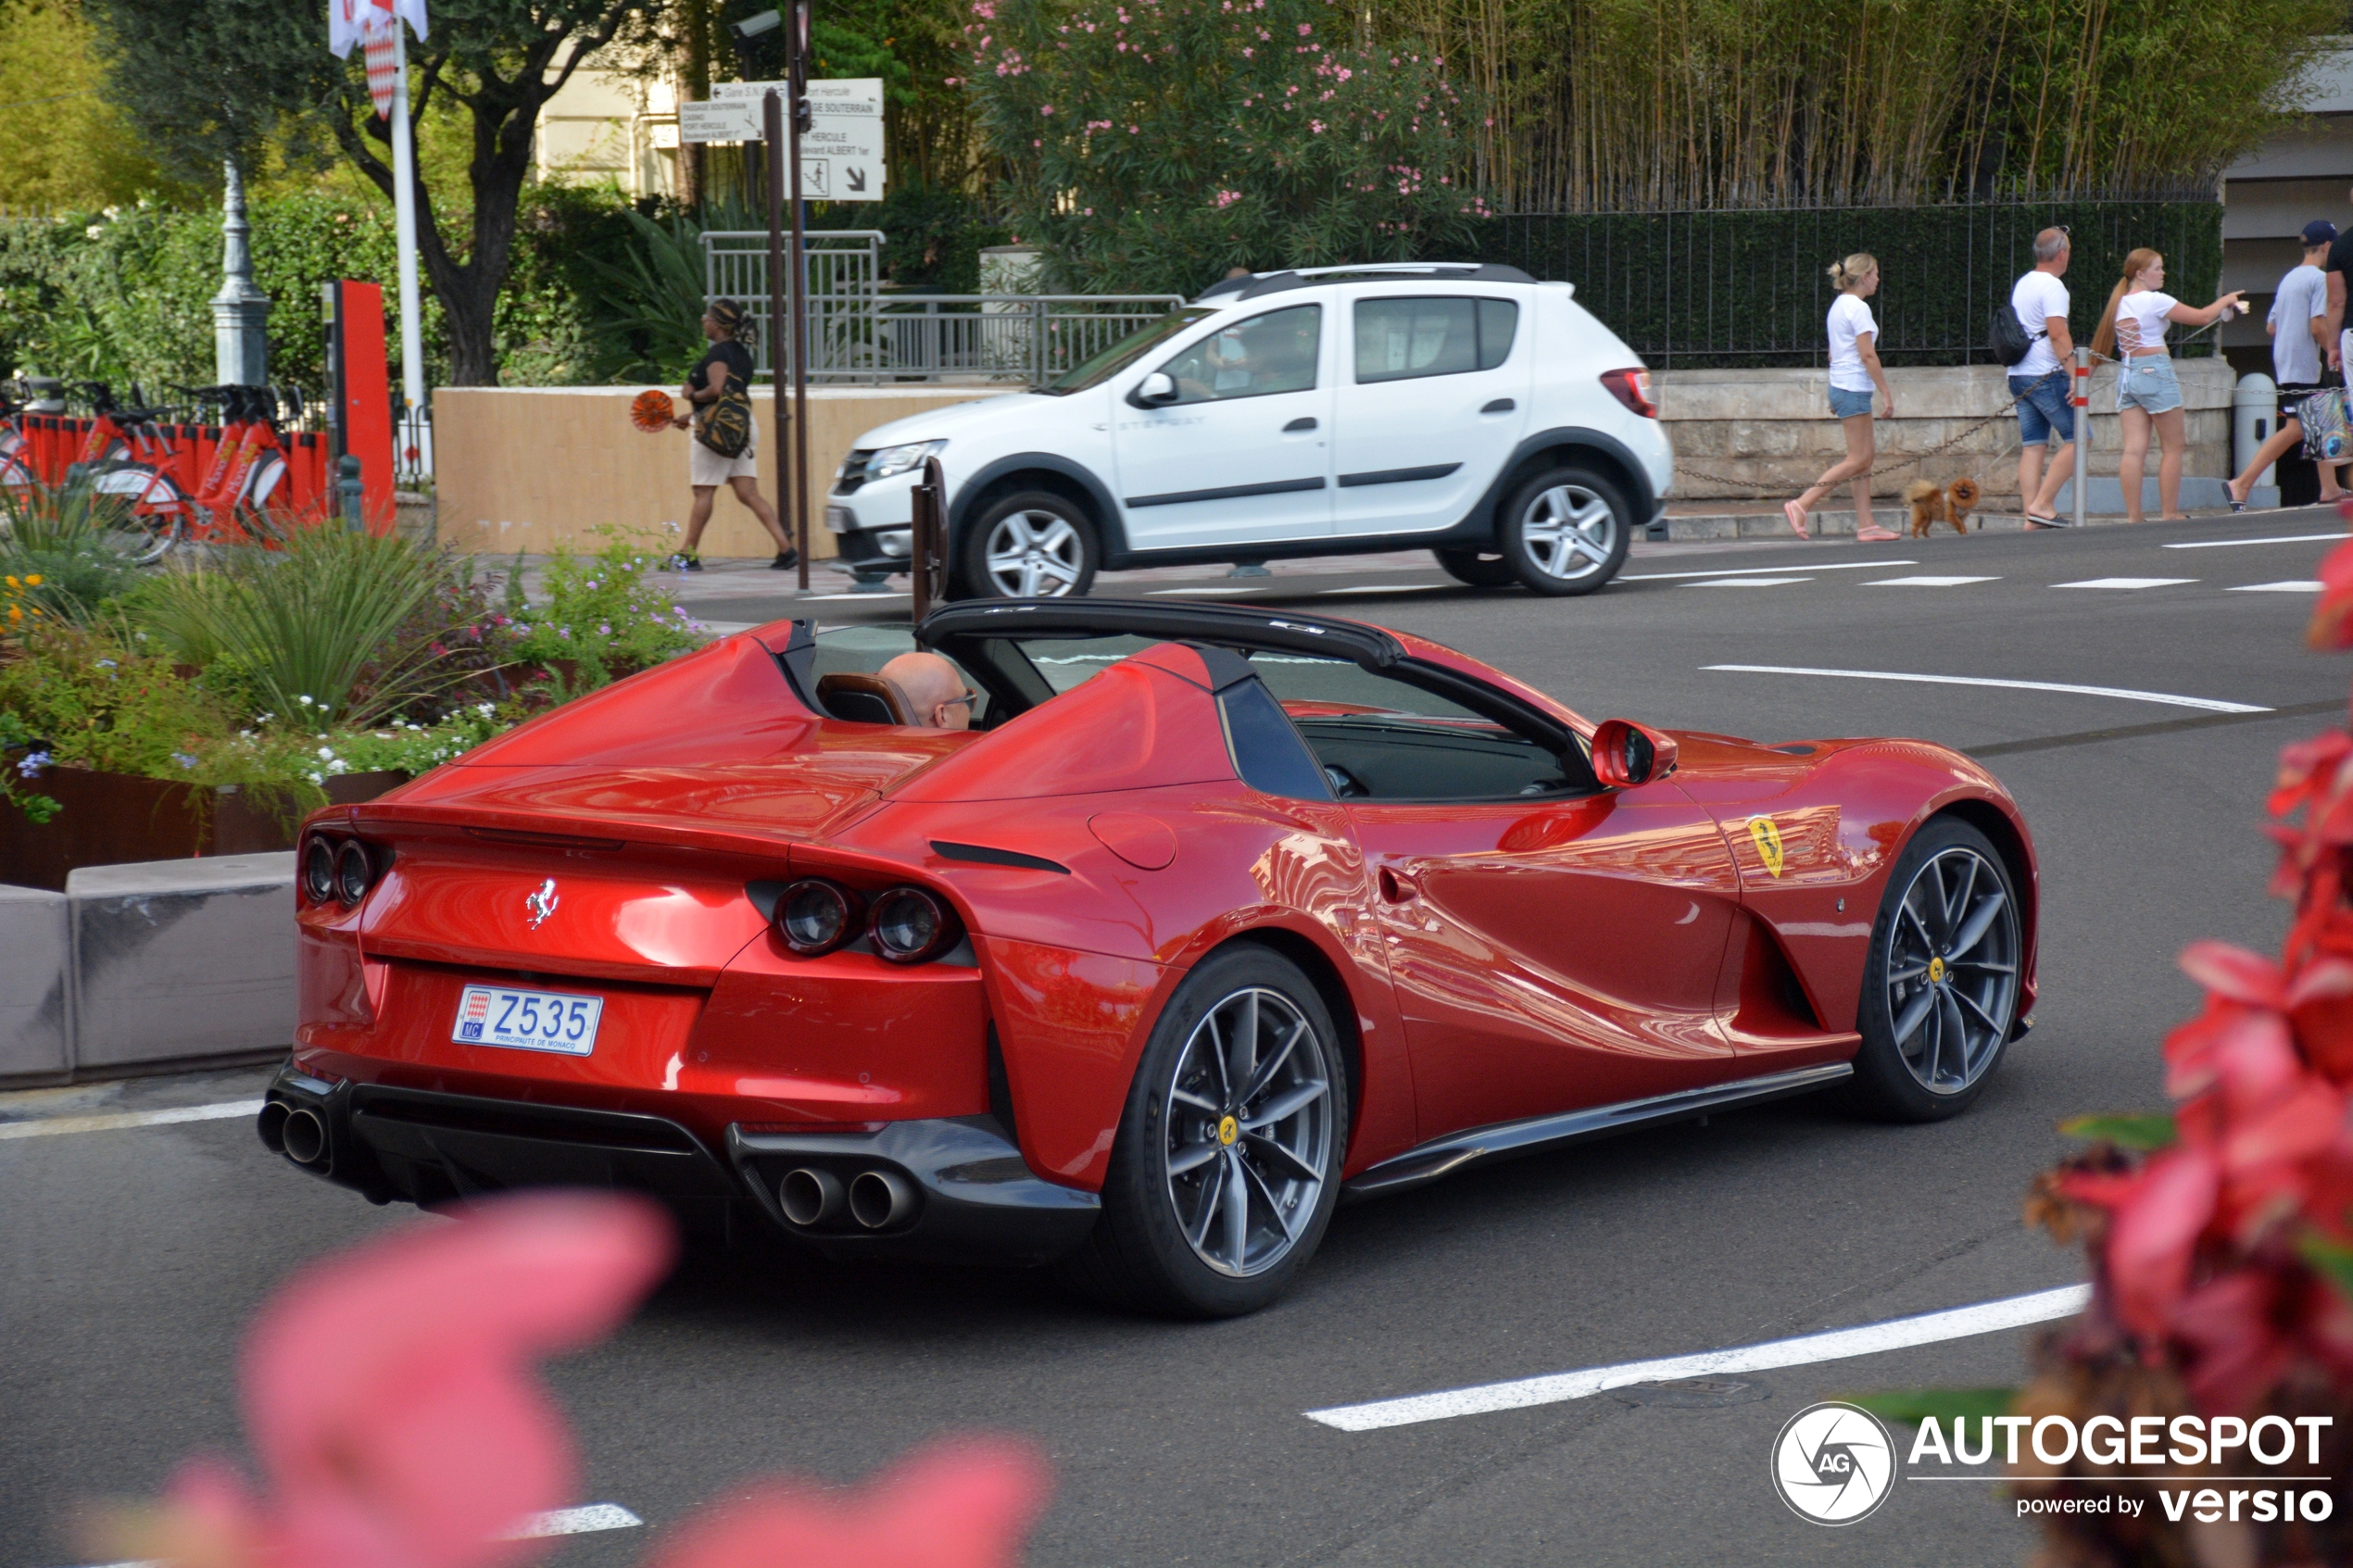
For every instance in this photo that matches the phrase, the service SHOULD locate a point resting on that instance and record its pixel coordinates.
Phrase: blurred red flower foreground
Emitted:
(392, 1403)
(2221, 1238)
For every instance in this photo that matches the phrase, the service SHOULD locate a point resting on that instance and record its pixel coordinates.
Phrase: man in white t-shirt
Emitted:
(2038, 381)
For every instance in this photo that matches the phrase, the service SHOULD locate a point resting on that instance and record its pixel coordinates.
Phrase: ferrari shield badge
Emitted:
(1768, 843)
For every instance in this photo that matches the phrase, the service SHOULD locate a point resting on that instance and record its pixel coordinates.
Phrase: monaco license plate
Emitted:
(529, 1021)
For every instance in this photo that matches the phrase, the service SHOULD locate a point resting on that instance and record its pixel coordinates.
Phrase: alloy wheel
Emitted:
(1249, 1131)
(1952, 970)
(1569, 530)
(1034, 554)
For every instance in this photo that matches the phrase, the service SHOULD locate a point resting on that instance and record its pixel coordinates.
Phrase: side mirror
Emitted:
(1625, 754)
(1154, 391)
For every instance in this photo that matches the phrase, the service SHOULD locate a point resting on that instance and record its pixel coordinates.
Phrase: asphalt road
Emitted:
(130, 1258)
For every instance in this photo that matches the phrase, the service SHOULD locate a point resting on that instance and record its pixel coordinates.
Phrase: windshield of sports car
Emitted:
(1124, 353)
(1377, 737)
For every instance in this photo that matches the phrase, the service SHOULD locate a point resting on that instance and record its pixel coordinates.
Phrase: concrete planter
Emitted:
(113, 819)
(141, 966)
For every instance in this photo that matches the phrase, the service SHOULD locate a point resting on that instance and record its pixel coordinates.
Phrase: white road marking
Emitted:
(109, 1120)
(562, 1521)
(1959, 1323)
(2281, 539)
(575, 1522)
(821, 598)
(2211, 705)
(1926, 581)
(2293, 585)
(1165, 593)
(1749, 583)
(2127, 582)
(1391, 589)
(1761, 570)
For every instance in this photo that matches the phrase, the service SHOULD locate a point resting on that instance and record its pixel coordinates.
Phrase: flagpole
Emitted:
(404, 210)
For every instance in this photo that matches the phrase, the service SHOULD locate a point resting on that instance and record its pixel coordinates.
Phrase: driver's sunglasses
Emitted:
(967, 697)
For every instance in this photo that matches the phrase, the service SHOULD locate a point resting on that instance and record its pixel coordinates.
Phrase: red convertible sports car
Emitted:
(1213, 917)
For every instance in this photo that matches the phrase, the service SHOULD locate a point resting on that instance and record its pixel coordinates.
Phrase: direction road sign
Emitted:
(845, 138)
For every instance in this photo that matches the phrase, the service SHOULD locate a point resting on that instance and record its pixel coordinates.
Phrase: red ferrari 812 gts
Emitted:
(1213, 917)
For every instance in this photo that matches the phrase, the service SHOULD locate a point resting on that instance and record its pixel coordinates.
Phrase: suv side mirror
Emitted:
(1154, 391)
(1625, 754)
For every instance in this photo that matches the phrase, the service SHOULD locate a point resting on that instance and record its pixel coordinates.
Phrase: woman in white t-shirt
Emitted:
(2147, 392)
(1854, 370)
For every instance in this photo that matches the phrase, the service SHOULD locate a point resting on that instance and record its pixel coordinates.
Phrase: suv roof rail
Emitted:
(1254, 284)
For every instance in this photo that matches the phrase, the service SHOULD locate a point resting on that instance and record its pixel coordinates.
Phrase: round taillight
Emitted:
(319, 871)
(354, 871)
(815, 916)
(911, 925)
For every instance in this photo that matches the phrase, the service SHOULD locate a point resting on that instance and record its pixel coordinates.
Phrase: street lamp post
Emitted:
(240, 311)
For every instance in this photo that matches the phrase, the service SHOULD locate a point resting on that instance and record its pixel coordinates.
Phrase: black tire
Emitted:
(1140, 1256)
(1060, 538)
(1966, 986)
(1478, 570)
(1554, 542)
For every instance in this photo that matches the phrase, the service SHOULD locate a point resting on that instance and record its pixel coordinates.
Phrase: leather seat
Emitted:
(863, 697)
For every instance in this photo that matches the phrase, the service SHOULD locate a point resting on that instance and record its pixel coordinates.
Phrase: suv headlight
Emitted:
(899, 459)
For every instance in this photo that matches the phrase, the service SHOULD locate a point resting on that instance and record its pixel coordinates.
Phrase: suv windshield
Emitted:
(1124, 353)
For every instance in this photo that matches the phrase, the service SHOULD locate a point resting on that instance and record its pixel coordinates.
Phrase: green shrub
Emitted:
(601, 616)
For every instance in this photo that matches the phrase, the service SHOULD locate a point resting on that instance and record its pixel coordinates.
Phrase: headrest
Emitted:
(862, 698)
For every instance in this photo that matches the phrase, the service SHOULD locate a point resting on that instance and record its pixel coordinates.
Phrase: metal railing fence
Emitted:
(860, 331)
(1749, 289)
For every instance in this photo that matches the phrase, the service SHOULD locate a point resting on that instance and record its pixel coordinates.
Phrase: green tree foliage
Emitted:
(125, 297)
(1619, 105)
(220, 80)
(61, 143)
(1153, 145)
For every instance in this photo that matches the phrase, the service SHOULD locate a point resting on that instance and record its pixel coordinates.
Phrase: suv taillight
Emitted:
(1633, 389)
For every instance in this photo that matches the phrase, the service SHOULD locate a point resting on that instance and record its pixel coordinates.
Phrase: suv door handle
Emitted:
(1501, 405)
(1307, 423)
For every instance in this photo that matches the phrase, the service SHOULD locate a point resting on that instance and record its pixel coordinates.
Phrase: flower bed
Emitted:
(206, 710)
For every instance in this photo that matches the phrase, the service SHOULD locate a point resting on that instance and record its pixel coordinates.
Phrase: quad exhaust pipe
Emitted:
(810, 1198)
(303, 1137)
(875, 1200)
(880, 1199)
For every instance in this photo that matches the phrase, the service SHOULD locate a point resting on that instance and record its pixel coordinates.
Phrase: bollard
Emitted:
(352, 493)
(2079, 397)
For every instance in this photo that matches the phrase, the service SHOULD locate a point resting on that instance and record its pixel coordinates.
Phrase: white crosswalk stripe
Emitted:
(2293, 585)
(2127, 582)
(1749, 583)
(1925, 582)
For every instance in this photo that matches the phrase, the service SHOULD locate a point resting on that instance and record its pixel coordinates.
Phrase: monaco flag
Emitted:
(354, 21)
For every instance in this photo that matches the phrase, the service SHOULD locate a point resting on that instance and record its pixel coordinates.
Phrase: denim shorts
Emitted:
(2149, 384)
(1845, 405)
(2043, 411)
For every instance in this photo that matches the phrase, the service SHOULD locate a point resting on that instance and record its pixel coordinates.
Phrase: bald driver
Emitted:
(935, 694)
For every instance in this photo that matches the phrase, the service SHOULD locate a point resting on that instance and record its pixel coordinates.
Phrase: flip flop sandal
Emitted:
(1797, 520)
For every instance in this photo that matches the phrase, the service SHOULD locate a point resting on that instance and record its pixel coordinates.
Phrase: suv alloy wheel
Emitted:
(1033, 544)
(1566, 531)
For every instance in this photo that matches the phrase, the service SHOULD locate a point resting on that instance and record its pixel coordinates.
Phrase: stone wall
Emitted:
(1755, 434)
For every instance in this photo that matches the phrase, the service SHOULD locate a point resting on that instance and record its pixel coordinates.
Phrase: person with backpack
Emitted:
(724, 449)
(2299, 351)
(2030, 337)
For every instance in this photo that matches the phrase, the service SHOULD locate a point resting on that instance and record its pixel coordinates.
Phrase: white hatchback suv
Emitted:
(1464, 409)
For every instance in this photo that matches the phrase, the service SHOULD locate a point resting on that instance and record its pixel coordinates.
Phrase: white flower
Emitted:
(327, 751)
(484, 709)
(304, 700)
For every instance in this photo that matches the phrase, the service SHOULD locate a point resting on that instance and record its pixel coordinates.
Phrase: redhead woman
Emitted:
(2148, 395)
(1854, 370)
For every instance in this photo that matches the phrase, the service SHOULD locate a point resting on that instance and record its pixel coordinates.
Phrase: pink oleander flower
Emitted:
(389, 1398)
(954, 1505)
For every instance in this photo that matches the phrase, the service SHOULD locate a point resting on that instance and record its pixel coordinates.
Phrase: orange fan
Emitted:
(651, 410)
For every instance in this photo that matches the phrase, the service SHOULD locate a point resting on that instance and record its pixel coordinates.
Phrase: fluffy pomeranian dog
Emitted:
(1933, 504)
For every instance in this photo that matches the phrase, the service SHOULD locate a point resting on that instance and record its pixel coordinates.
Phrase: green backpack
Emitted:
(724, 424)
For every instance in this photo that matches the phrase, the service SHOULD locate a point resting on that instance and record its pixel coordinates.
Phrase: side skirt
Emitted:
(1505, 1140)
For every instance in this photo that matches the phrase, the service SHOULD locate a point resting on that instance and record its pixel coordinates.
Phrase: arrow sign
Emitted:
(857, 179)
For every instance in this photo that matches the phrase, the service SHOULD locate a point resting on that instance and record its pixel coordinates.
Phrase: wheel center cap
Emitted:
(1228, 1130)
(1936, 971)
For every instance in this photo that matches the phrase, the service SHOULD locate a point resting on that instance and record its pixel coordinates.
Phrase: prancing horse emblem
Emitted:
(541, 904)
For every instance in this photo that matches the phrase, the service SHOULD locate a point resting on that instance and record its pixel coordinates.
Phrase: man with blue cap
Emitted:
(2299, 329)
